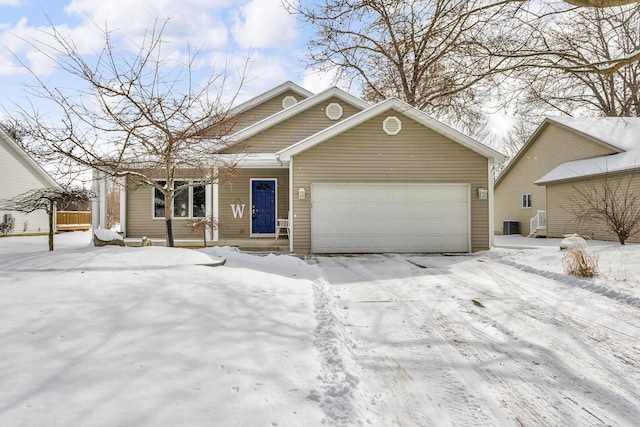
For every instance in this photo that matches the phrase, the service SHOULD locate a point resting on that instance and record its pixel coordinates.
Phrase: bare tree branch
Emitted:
(47, 199)
(610, 201)
(139, 115)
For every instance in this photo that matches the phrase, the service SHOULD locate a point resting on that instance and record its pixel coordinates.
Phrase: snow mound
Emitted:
(573, 242)
(599, 286)
(107, 235)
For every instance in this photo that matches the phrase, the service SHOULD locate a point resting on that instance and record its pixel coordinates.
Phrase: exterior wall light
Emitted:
(302, 194)
(482, 193)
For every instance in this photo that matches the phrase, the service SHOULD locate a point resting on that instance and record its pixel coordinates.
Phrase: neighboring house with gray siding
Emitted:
(349, 177)
(19, 173)
(563, 155)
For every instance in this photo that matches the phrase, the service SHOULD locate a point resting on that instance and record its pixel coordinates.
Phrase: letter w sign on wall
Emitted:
(238, 210)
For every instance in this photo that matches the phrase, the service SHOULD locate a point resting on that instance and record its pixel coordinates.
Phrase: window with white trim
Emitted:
(526, 201)
(188, 203)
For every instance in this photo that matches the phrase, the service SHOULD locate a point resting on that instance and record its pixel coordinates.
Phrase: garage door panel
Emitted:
(389, 218)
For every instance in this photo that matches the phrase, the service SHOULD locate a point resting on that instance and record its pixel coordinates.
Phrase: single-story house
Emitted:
(19, 173)
(348, 176)
(539, 189)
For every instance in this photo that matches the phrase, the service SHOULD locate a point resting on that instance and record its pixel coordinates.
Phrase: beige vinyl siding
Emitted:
(367, 154)
(237, 189)
(141, 222)
(562, 196)
(252, 115)
(554, 145)
(294, 129)
(18, 177)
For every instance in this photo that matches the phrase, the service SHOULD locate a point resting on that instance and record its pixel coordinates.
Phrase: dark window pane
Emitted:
(199, 196)
(181, 201)
(264, 186)
(158, 202)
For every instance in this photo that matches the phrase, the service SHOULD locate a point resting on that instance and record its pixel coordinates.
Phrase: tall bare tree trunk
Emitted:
(51, 212)
(168, 215)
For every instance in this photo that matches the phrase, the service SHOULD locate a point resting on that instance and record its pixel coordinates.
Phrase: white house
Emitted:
(19, 173)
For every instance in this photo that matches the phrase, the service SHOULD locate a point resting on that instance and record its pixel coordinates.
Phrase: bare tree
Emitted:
(583, 72)
(140, 115)
(600, 3)
(202, 225)
(612, 201)
(14, 129)
(47, 199)
(431, 54)
(453, 58)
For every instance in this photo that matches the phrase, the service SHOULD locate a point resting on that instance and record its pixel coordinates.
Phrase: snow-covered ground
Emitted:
(156, 337)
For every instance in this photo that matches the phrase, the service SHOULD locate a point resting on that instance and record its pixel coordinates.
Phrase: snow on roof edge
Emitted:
(584, 168)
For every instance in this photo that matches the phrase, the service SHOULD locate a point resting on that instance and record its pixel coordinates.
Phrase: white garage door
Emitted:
(389, 218)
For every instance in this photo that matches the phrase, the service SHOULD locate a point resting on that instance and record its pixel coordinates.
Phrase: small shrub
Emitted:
(580, 261)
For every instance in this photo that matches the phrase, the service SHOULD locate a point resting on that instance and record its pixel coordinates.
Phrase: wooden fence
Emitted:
(73, 220)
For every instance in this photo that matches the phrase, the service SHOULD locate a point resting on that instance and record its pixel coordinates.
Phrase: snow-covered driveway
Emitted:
(156, 337)
(482, 340)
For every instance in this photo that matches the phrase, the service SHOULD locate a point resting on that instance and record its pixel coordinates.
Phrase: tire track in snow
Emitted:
(589, 285)
(598, 352)
(543, 366)
(414, 372)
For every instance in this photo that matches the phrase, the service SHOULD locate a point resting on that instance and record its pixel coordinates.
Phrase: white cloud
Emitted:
(264, 24)
(197, 22)
(260, 73)
(318, 80)
(226, 32)
(10, 2)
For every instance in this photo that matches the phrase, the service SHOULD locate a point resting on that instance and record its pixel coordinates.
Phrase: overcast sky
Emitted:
(227, 31)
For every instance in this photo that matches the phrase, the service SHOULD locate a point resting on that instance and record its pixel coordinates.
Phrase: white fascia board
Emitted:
(271, 94)
(255, 161)
(516, 158)
(36, 169)
(292, 111)
(402, 108)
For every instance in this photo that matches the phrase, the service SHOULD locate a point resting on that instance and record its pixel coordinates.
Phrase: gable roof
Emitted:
(619, 132)
(26, 160)
(294, 110)
(402, 108)
(622, 134)
(272, 93)
(615, 133)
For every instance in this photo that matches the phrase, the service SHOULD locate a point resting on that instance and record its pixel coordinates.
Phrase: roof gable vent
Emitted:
(392, 125)
(289, 101)
(333, 111)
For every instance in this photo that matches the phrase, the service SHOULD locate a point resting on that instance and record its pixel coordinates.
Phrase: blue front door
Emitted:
(263, 206)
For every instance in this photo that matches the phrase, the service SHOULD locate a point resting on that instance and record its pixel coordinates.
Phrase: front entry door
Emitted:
(263, 206)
